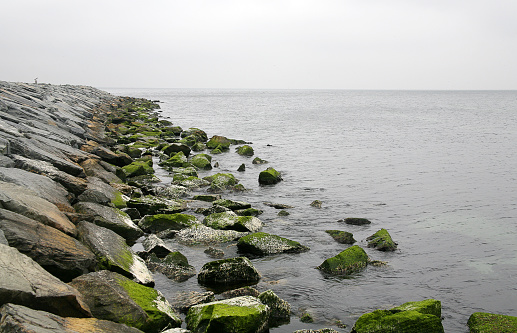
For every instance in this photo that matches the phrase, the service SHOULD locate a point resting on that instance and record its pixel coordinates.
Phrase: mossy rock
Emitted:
(269, 177)
(185, 171)
(198, 146)
(200, 135)
(231, 221)
(221, 182)
(234, 315)
(219, 142)
(382, 241)
(207, 197)
(175, 266)
(258, 160)
(160, 222)
(347, 262)
(261, 243)
(248, 212)
(171, 131)
(280, 309)
(228, 272)
(482, 322)
(201, 234)
(356, 221)
(151, 205)
(201, 161)
(342, 237)
(178, 160)
(411, 317)
(191, 182)
(245, 150)
(231, 204)
(138, 168)
(174, 148)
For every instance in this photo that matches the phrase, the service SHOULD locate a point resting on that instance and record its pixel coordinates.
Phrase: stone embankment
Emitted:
(78, 190)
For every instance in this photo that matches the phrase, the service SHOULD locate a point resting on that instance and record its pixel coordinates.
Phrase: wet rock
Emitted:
(202, 161)
(212, 210)
(58, 253)
(347, 262)
(25, 282)
(207, 197)
(43, 186)
(316, 204)
(258, 160)
(153, 244)
(382, 241)
(221, 182)
(231, 204)
(182, 301)
(244, 291)
(201, 234)
(172, 191)
(277, 205)
(111, 218)
(261, 243)
(175, 266)
(199, 134)
(192, 182)
(342, 237)
(178, 160)
(27, 203)
(269, 177)
(151, 205)
(138, 168)
(160, 222)
(113, 253)
(93, 168)
(242, 168)
(231, 221)
(21, 319)
(214, 253)
(219, 142)
(248, 212)
(280, 309)
(245, 150)
(481, 322)
(174, 148)
(240, 314)
(133, 213)
(114, 297)
(228, 272)
(409, 318)
(323, 330)
(355, 221)
(283, 213)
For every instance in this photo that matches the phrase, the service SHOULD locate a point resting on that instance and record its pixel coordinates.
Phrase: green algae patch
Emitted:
(178, 160)
(481, 322)
(347, 262)
(158, 310)
(231, 221)
(269, 177)
(380, 321)
(202, 161)
(382, 241)
(239, 314)
(261, 243)
(221, 181)
(138, 168)
(118, 201)
(219, 142)
(342, 237)
(428, 306)
(245, 150)
(160, 222)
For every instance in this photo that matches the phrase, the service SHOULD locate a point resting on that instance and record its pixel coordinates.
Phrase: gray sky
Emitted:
(335, 44)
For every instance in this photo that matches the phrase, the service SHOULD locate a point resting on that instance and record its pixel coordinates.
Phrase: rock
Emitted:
(280, 309)
(138, 168)
(277, 205)
(316, 204)
(178, 160)
(261, 243)
(244, 291)
(172, 191)
(151, 205)
(283, 213)
(342, 237)
(114, 297)
(199, 134)
(25, 282)
(198, 146)
(248, 212)
(99, 192)
(153, 244)
(240, 314)
(43, 186)
(269, 177)
(27, 203)
(192, 182)
(242, 168)
(111, 218)
(258, 160)
(185, 300)
(231, 221)
(58, 253)
(228, 272)
(406, 319)
(202, 161)
(245, 150)
(355, 221)
(221, 182)
(212, 210)
(347, 262)
(207, 197)
(174, 148)
(480, 322)
(181, 173)
(231, 204)
(5, 162)
(160, 222)
(323, 330)
(214, 253)
(113, 253)
(3, 240)
(118, 159)
(175, 266)
(201, 234)
(94, 168)
(17, 318)
(133, 213)
(219, 142)
(382, 241)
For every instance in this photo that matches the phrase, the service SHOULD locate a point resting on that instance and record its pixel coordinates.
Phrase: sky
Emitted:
(262, 44)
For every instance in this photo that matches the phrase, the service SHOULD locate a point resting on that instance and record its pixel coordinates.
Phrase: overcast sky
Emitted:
(320, 44)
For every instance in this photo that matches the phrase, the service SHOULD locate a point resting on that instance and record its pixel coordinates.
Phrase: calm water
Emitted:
(437, 169)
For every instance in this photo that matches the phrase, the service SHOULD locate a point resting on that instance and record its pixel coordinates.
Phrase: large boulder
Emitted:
(232, 204)
(175, 266)
(160, 222)
(25, 282)
(240, 314)
(413, 317)
(269, 177)
(111, 218)
(113, 253)
(175, 148)
(60, 254)
(201, 234)
(481, 322)
(221, 182)
(261, 243)
(347, 262)
(21, 319)
(231, 221)
(28, 203)
(381, 240)
(219, 142)
(150, 205)
(228, 272)
(138, 168)
(114, 297)
(280, 309)
(93, 168)
(100, 192)
(245, 150)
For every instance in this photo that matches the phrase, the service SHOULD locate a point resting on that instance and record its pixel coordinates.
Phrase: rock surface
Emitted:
(481, 322)
(382, 241)
(228, 272)
(347, 262)
(261, 243)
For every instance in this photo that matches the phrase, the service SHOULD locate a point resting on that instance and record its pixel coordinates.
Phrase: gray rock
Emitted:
(95, 168)
(201, 234)
(184, 300)
(226, 273)
(3, 240)
(261, 243)
(17, 318)
(244, 291)
(113, 252)
(60, 254)
(280, 309)
(231, 221)
(27, 203)
(175, 266)
(25, 282)
(153, 244)
(5, 162)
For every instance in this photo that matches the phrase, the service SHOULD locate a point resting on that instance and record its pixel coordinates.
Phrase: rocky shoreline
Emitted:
(78, 189)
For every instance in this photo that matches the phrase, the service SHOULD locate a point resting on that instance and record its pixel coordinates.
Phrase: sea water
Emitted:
(437, 169)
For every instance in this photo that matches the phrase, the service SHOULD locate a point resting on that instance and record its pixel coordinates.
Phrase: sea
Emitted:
(437, 169)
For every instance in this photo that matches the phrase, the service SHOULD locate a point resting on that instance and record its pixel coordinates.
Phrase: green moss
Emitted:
(269, 177)
(382, 241)
(428, 306)
(245, 150)
(201, 161)
(220, 142)
(261, 243)
(481, 322)
(161, 222)
(138, 168)
(118, 201)
(400, 322)
(221, 181)
(342, 237)
(306, 318)
(347, 262)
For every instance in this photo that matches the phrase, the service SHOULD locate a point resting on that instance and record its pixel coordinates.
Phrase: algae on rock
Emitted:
(347, 262)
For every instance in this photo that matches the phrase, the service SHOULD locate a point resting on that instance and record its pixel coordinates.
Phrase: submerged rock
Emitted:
(261, 243)
(347, 262)
(221, 182)
(219, 142)
(258, 160)
(231, 221)
(201, 234)
(355, 221)
(280, 309)
(114, 297)
(382, 241)
(228, 272)
(240, 314)
(150, 205)
(481, 322)
(202, 161)
(175, 266)
(269, 177)
(160, 222)
(342, 237)
(245, 150)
